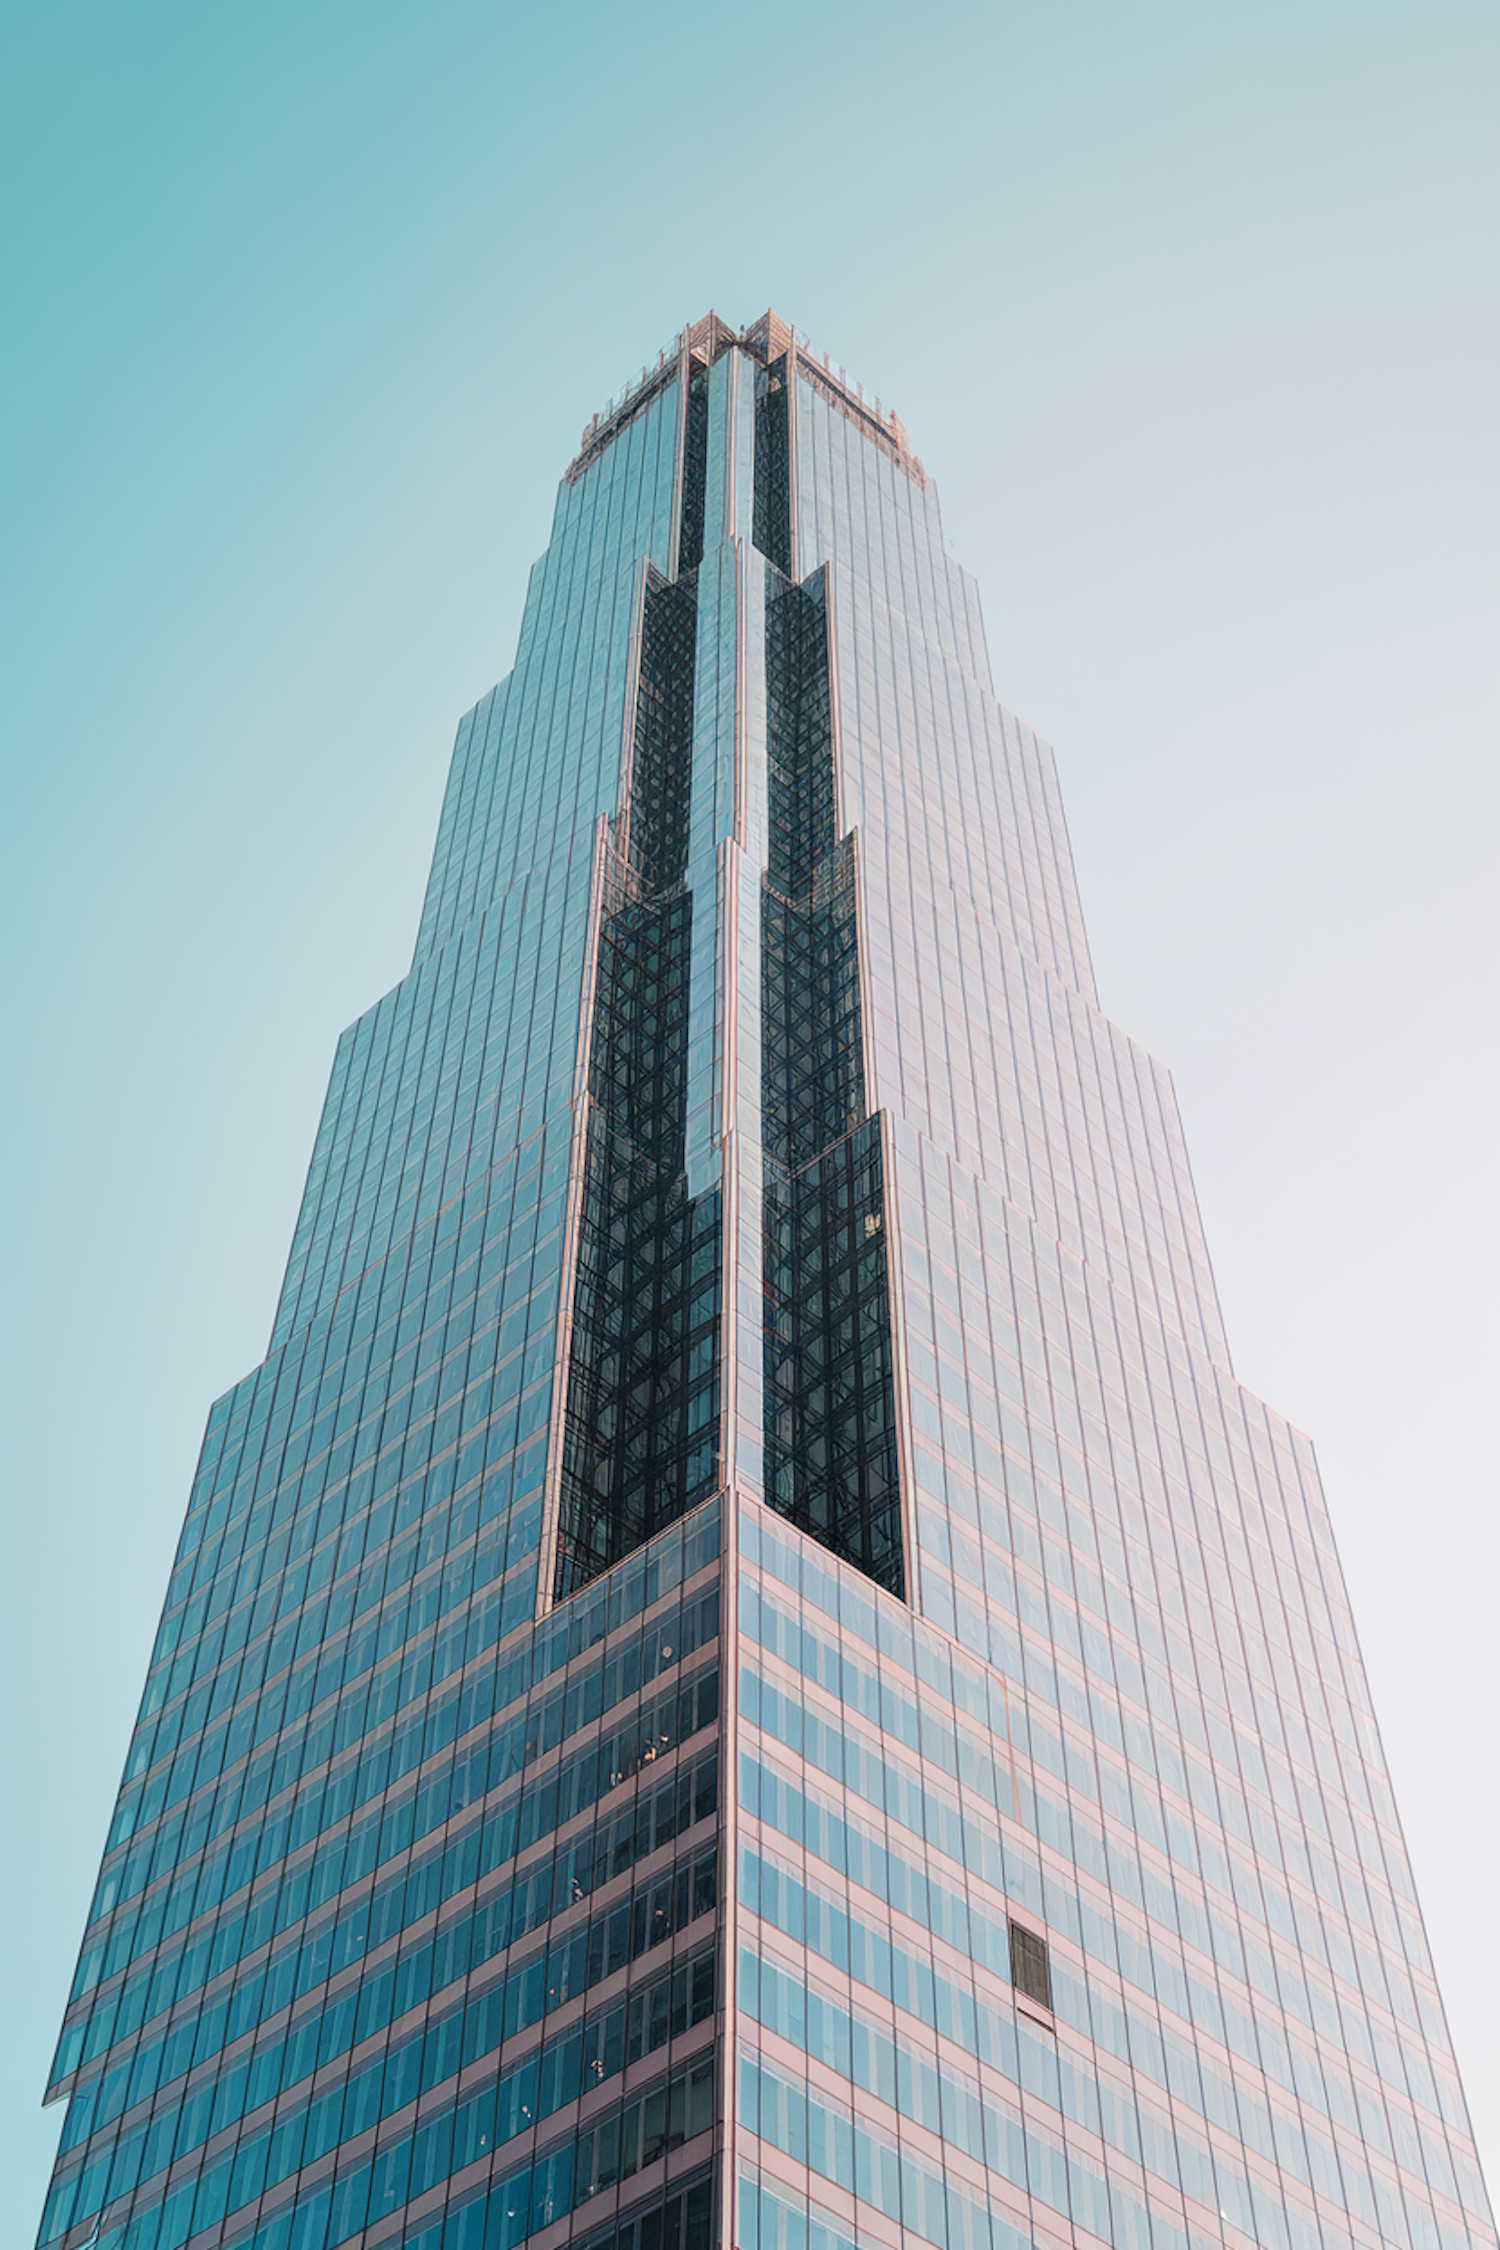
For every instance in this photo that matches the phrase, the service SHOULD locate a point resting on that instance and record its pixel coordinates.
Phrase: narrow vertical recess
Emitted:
(641, 1433)
(800, 737)
(694, 472)
(831, 1454)
(661, 769)
(771, 526)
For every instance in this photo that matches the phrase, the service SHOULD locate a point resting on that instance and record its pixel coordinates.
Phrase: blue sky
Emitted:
(1192, 312)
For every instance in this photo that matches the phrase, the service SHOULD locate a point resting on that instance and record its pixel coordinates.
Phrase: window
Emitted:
(1028, 1966)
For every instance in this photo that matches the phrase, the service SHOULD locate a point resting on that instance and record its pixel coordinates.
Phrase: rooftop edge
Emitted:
(767, 339)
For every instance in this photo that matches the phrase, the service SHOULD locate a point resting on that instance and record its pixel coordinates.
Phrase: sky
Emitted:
(1192, 312)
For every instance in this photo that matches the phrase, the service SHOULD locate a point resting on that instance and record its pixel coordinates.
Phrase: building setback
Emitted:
(743, 1670)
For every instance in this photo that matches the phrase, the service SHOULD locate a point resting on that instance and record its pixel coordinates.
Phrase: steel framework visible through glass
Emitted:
(641, 1437)
(831, 1456)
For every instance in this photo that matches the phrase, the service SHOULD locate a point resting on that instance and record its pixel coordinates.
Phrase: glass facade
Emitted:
(743, 1671)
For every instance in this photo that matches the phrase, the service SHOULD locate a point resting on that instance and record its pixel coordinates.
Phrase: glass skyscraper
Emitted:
(743, 1670)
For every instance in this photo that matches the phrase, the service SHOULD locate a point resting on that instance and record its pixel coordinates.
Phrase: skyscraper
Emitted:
(743, 1670)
